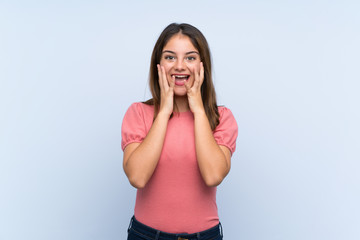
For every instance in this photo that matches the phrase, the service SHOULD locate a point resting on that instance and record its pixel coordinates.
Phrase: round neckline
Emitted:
(179, 114)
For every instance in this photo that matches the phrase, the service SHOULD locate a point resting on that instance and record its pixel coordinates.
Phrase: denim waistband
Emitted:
(152, 233)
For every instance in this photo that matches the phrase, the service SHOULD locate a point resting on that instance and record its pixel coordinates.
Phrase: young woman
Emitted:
(177, 145)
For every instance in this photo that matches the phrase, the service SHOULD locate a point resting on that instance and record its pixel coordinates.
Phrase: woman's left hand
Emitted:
(194, 92)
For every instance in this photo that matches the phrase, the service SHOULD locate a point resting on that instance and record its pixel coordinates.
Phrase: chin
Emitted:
(180, 92)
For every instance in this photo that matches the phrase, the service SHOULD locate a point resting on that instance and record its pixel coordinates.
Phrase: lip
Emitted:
(179, 83)
(180, 79)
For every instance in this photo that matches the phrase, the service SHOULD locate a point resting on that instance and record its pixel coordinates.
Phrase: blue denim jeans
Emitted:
(139, 231)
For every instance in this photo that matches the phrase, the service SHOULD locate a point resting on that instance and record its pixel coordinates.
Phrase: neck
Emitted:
(182, 104)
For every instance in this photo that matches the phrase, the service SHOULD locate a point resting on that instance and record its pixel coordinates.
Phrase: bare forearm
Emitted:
(141, 162)
(211, 159)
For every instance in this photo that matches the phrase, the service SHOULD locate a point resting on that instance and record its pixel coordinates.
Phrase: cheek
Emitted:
(194, 67)
(166, 65)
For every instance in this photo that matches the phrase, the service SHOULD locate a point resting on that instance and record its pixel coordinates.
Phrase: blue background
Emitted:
(288, 70)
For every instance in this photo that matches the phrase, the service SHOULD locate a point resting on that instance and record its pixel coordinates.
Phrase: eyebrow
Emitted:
(168, 51)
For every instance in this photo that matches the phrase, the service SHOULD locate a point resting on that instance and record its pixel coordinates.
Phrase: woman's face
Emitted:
(180, 59)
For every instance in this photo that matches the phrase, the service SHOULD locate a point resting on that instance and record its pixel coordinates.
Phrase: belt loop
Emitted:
(157, 235)
(130, 224)
(198, 236)
(221, 229)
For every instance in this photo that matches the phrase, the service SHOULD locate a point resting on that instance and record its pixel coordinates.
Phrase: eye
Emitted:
(168, 57)
(190, 58)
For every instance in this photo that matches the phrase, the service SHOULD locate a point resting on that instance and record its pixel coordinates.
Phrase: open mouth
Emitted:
(180, 78)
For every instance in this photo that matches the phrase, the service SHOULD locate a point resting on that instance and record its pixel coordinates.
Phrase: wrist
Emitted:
(199, 113)
(163, 114)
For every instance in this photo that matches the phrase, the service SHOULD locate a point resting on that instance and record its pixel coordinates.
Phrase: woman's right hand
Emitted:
(166, 91)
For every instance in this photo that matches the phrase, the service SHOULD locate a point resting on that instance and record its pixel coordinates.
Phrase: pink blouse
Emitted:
(176, 199)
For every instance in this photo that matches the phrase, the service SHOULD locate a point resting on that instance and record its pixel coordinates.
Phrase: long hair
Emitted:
(208, 94)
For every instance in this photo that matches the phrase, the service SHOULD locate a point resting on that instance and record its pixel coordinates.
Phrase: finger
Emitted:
(201, 73)
(164, 78)
(196, 84)
(187, 86)
(160, 77)
(172, 82)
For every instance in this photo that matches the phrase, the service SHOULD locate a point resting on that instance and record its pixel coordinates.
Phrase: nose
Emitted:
(179, 65)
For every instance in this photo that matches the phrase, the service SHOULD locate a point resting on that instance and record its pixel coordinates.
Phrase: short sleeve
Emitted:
(227, 131)
(133, 126)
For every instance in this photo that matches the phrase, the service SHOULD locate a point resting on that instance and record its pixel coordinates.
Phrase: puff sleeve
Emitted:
(133, 126)
(227, 131)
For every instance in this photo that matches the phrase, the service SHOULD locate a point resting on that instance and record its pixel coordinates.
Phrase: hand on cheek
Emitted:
(166, 91)
(194, 89)
(195, 70)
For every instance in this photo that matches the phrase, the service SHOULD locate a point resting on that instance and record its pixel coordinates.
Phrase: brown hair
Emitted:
(207, 88)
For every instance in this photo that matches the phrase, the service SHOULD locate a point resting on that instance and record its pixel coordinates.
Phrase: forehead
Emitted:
(179, 43)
